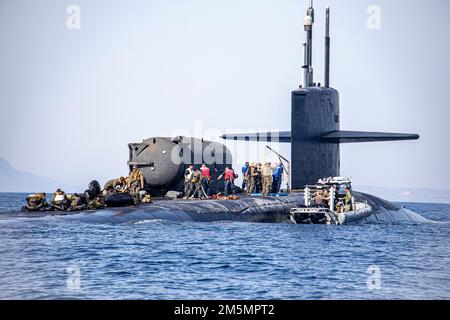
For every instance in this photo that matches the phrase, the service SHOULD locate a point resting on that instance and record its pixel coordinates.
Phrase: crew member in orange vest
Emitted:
(206, 181)
(229, 177)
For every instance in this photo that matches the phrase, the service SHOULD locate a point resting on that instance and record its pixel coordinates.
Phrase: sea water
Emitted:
(53, 257)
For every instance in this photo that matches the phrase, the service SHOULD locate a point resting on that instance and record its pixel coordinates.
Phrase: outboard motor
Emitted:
(93, 190)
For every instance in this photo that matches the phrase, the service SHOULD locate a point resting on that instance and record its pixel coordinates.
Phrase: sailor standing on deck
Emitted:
(266, 179)
(245, 170)
(188, 180)
(258, 178)
(206, 181)
(251, 177)
(277, 177)
(229, 177)
(196, 182)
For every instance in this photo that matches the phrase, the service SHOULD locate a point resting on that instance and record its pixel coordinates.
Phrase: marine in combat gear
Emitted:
(59, 201)
(196, 183)
(188, 180)
(36, 202)
(115, 185)
(266, 179)
(135, 183)
(96, 203)
(76, 204)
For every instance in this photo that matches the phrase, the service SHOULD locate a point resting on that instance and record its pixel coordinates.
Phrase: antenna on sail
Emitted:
(307, 66)
(327, 47)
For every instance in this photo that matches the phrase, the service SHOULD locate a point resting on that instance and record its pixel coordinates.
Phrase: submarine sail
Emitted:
(315, 135)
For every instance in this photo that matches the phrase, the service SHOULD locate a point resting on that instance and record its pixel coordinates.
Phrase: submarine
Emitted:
(315, 138)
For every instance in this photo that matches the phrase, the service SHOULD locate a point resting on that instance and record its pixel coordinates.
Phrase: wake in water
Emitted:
(401, 215)
(148, 221)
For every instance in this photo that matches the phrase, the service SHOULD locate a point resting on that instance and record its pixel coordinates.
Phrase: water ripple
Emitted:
(156, 259)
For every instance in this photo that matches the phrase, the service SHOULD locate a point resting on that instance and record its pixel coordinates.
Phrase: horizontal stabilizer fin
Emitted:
(361, 136)
(283, 136)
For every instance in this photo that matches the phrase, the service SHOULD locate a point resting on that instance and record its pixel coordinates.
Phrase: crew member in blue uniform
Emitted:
(277, 177)
(244, 175)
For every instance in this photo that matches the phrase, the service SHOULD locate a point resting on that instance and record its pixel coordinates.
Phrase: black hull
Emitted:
(246, 209)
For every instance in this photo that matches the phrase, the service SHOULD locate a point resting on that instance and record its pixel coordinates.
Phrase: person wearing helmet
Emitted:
(135, 183)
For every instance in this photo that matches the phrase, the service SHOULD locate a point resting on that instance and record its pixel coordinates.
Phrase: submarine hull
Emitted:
(246, 209)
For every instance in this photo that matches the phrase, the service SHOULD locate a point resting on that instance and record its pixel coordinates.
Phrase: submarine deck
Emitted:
(272, 209)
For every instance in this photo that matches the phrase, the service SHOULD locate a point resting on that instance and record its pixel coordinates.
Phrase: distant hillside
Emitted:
(407, 194)
(12, 180)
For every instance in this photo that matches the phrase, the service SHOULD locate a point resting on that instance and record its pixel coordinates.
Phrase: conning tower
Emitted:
(315, 134)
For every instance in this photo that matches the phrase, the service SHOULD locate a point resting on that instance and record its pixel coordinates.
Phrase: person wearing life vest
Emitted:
(36, 202)
(206, 181)
(187, 180)
(96, 203)
(60, 201)
(76, 204)
(229, 177)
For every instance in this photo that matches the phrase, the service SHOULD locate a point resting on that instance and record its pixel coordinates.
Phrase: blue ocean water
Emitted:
(58, 258)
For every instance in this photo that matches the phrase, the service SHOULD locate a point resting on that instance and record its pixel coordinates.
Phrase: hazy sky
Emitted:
(71, 100)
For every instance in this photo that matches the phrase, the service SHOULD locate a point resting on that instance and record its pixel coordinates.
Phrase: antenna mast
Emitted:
(327, 47)
(307, 67)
